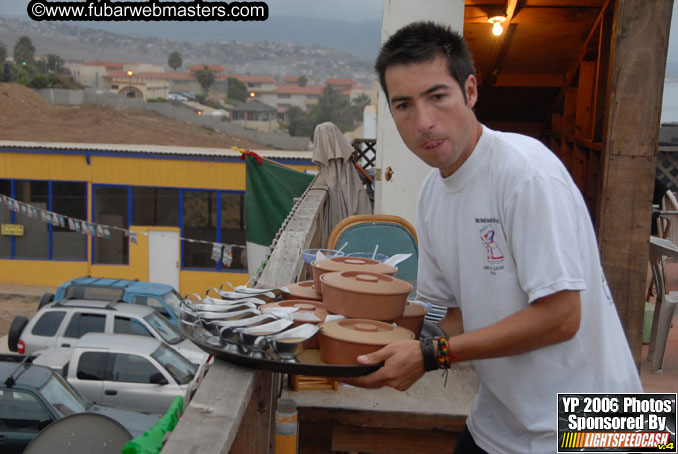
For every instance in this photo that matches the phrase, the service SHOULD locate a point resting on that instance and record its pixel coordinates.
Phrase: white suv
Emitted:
(60, 324)
(123, 371)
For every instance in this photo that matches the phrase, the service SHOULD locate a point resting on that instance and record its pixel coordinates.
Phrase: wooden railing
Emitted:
(233, 409)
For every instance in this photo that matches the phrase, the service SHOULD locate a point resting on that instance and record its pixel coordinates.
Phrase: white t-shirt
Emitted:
(509, 227)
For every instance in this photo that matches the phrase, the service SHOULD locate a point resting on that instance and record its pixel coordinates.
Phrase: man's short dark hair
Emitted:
(423, 41)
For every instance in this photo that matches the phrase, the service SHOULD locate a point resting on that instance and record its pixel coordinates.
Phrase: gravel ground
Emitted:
(13, 305)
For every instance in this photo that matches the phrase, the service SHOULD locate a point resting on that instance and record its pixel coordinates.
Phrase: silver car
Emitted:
(60, 324)
(124, 371)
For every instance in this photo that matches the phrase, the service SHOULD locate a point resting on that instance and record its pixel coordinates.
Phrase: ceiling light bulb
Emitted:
(496, 22)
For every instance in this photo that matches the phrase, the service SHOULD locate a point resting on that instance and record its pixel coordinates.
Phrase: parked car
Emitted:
(220, 113)
(32, 397)
(189, 94)
(177, 97)
(124, 371)
(61, 323)
(161, 297)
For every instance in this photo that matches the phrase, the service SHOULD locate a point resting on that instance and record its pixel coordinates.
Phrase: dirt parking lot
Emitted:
(13, 305)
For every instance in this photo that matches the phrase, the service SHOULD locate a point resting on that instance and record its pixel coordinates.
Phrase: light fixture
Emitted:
(496, 22)
(252, 94)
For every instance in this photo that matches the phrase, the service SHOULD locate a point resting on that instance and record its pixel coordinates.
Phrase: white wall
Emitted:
(399, 195)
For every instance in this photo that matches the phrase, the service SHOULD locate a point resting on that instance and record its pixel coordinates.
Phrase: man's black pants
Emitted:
(466, 444)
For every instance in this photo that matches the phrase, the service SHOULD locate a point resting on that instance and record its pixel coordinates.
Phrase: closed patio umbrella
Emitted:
(347, 196)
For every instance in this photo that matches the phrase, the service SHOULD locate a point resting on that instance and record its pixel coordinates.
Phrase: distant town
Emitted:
(261, 101)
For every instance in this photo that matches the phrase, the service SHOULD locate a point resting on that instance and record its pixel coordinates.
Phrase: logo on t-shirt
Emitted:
(494, 254)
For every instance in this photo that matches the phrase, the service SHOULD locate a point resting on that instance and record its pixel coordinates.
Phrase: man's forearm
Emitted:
(547, 321)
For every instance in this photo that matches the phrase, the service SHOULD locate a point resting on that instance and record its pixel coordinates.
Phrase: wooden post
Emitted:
(635, 85)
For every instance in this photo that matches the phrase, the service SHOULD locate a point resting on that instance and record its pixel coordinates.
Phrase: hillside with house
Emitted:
(26, 116)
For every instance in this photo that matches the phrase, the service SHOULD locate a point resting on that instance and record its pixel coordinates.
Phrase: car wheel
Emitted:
(15, 330)
(45, 299)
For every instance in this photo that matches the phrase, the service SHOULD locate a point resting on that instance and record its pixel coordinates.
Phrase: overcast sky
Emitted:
(351, 10)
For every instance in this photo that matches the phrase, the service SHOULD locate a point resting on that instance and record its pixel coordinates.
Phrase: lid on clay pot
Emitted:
(303, 290)
(306, 311)
(364, 331)
(353, 264)
(367, 283)
(414, 310)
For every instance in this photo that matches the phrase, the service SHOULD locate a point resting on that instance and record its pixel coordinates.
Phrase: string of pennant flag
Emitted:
(220, 251)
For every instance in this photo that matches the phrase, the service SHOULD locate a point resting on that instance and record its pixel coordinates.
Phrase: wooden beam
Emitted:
(498, 55)
(638, 62)
(500, 45)
(542, 16)
(510, 11)
(255, 431)
(583, 122)
(569, 76)
(546, 3)
(602, 72)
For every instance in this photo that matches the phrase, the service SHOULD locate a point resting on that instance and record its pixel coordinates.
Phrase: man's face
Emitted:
(430, 112)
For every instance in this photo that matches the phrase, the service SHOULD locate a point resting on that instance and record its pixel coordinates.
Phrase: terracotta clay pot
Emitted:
(359, 294)
(413, 317)
(304, 290)
(342, 341)
(335, 264)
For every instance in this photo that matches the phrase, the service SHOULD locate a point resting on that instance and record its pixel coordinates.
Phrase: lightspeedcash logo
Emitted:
(150, 10)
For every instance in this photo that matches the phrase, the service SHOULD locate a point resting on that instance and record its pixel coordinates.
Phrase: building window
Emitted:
(233, 227)
(43, 240)
(5, 218)
(155, 206)
(284, 96)
(69, 199)
(217, 217)
(111, 207)
(199, 216)
(34, 244)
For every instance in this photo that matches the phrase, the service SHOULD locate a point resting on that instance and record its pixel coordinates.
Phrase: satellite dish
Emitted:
(80, 433)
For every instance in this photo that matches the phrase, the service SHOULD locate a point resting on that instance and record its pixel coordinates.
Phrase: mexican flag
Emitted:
(269, 196)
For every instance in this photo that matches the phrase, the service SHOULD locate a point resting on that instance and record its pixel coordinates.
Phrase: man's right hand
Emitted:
(403, 365)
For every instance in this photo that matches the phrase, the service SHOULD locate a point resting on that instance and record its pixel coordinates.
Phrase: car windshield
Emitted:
(181, 369)
(173, 299)
(164, 328)
(63, 398)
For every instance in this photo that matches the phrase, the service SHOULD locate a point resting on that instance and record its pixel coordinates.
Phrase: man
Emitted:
(507, 245)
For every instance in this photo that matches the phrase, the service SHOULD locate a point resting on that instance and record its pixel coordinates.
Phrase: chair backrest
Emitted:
(660, 248)
(393, 234)
(668, 223)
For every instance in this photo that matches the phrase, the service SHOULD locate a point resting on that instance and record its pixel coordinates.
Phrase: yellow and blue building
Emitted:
(196, 193)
